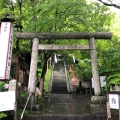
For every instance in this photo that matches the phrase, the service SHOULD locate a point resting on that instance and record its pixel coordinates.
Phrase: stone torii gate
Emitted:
(90, 36)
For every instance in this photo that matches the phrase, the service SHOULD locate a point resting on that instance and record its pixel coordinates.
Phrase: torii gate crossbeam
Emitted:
(64, 35)
(64, 47)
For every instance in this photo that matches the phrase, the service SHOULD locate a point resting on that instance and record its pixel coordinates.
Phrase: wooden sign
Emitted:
(7, 100)
(114, 101)
(6, 41)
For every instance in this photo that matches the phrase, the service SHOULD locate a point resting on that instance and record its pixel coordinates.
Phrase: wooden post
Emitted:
(119, 105)
(94, 64)
(16, 99)
(41, 85)
(108, 111)
(119, 114)
(33, 66)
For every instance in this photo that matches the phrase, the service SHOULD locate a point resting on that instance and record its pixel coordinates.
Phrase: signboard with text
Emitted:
(7, 100)
(6, 41)
(114, 101)
(102, 82)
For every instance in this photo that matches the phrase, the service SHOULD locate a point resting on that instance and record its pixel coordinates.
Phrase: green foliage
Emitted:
(110, 64)
(40, 64)
(24, 94)
(3, 115)
(47, 79)
(83, 70)
(2, 86)
(113, 79)
(65, 16)
(22, 98)
(57, 16)
(109, 61)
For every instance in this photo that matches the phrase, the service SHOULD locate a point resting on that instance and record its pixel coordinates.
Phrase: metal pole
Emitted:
(15, 109)
(25, 105)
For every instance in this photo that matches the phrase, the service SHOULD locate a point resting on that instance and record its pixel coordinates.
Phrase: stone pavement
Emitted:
(68, 104)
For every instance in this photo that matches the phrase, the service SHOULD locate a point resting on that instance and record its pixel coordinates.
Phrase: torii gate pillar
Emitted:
(33, 66)
(94, 64)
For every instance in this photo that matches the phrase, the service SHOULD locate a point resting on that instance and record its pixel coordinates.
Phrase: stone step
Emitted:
(59, 90)
(65, 117)
(59, 86)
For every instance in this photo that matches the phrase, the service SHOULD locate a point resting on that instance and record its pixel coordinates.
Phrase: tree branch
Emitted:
(109, 4)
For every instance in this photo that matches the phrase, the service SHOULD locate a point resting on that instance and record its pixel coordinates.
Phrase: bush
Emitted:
(3, 115)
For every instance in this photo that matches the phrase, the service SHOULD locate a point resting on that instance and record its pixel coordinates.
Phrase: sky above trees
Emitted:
(113, 2)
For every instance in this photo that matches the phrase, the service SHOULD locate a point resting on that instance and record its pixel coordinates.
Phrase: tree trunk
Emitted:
(44, 67)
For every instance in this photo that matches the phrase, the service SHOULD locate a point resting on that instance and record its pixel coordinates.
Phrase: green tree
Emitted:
(58, 16)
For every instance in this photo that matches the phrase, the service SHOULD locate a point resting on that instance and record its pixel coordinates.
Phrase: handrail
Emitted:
(66, 77)
(26, 105)
(69, 87)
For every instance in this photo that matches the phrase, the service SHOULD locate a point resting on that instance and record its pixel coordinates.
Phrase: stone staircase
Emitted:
(65, 117)
(64, 106)
(59, 85)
